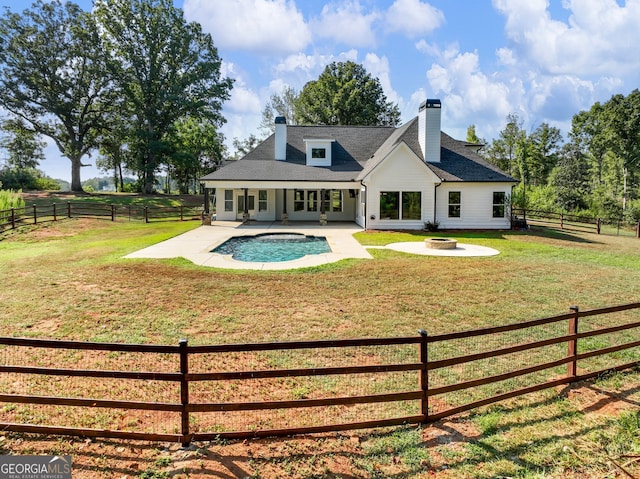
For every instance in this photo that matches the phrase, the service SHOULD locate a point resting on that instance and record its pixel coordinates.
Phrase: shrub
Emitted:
(431, 226)
(632, 213)
(9, 199)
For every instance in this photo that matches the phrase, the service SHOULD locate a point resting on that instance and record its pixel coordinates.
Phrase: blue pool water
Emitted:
(271, 248)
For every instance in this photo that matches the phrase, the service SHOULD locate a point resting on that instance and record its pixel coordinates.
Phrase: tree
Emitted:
(502, 152)
(570, 178)
(611, 128)
(24, 149)
(52, 76)
(345, 94)
(545, 145)
(472, 137)
(280, 105)
(242, 147)
(164, 68)
(623, 132)
(198, 149)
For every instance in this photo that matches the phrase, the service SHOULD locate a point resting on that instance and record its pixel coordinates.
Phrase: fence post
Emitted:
(424, 374)
(572, 367)
(55, 216)
(69, 209)
(181, 213)
(146, 214)
(35, 215)
(184, 391)
(113, 212)
(598, 225)
(638, 230)
(13, 218)
(561, 221)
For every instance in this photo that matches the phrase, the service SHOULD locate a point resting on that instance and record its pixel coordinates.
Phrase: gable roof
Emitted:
(356, 151)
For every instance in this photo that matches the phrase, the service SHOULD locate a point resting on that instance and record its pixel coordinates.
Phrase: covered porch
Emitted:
(285, 202)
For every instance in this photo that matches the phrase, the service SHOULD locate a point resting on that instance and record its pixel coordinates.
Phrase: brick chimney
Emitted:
(281, 138)
(429, 130)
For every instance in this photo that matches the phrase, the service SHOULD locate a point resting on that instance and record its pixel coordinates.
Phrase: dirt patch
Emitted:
(593, 399)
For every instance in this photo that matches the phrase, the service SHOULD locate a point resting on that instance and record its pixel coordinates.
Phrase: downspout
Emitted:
(364, 207)
(435, 201)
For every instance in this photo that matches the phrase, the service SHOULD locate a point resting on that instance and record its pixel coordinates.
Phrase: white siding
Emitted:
(476, 206)
(401, 171)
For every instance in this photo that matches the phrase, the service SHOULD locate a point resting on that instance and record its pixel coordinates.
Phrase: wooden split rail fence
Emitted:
(187, 392)
(30, 215)
(567, 221)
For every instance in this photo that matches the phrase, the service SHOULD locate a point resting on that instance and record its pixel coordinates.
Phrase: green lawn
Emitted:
(68, 280)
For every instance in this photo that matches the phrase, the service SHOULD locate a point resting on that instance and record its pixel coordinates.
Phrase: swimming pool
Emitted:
(272, 247)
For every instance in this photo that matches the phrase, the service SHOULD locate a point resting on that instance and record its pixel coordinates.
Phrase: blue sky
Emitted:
(544, 60)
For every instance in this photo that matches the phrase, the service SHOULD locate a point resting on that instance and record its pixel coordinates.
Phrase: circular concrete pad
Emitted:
(415, 247)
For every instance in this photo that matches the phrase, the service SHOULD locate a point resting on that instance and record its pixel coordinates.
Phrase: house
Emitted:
(378, 177)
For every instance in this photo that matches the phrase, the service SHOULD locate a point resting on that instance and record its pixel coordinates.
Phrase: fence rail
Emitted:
(188, 392)
(30, 215)
(576, 222)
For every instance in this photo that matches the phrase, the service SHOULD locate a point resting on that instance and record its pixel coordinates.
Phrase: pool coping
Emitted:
(196, 245)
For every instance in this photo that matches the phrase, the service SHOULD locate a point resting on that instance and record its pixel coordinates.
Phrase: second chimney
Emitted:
(429, 130)
(281, 138)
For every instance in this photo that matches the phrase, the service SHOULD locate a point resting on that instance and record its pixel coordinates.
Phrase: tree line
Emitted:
(131, 80)
(594, 171)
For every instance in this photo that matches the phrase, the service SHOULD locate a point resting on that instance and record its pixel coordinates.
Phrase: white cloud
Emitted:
(427, 48)
(470, 96)
(599, 38)
(413, 18)
(378, 67)
(346, 22)
(505, 56)
(258, 25)
(298, 69)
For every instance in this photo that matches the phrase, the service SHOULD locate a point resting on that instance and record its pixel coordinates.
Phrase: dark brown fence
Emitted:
(573, 222)
(31, 215)
(188, 392)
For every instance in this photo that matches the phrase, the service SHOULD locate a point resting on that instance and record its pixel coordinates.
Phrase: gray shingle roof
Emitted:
(355, 152)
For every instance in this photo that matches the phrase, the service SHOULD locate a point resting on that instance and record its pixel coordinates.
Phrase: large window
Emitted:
(298, 200)
(411, 205)
(389, 205)
(454, 204)
(499, 201)
(250, 203)
(228, 200)
(309, 200)
(336, 200)
(392, 201)
(263, 205)
(312, 200)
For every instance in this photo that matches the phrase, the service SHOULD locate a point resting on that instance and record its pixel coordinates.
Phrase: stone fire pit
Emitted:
(441, 243)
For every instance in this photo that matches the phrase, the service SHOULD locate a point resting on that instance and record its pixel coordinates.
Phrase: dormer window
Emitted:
(318, 151)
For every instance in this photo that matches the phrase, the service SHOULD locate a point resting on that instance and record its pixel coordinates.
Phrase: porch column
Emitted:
(323, 213)
(285, 215)
(206, 200)
(206, 215)
(245, 213)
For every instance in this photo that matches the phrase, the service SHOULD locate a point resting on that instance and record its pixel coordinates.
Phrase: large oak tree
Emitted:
(52, 77)
(165, 69)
